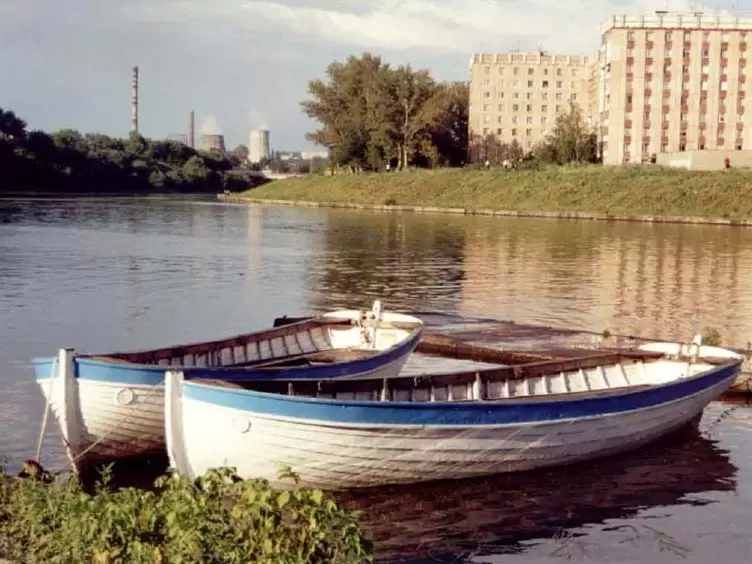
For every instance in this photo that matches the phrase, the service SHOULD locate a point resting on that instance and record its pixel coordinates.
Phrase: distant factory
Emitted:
(212, 141)
(258, 146)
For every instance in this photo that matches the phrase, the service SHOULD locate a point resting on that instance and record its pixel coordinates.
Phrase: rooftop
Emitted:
(680, 20)
(534, 57)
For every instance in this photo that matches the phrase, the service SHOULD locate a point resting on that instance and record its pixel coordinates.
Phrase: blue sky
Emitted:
(245, 63)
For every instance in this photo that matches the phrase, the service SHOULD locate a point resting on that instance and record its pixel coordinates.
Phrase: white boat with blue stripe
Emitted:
(346, 434)
(111, 406)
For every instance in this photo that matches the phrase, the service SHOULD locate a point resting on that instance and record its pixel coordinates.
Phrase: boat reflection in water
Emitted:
(451, 521)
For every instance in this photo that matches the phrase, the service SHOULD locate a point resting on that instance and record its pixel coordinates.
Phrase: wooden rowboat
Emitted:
(111, 406)
(372, 432)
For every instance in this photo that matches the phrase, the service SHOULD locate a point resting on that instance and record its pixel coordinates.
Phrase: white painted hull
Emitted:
(335, 456)
(99, 426)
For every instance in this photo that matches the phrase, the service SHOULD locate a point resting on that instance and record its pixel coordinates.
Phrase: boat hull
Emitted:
(336, 445)
(110, 411)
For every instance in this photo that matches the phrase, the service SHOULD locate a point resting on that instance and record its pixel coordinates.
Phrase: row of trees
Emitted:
(571, 141)
(371, 114)
(67, 161)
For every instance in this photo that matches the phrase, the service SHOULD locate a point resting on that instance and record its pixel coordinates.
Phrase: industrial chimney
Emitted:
(191, 131)
(134, 102)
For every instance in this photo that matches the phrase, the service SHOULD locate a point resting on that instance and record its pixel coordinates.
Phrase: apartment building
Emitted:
(673, 82)
(518, 95)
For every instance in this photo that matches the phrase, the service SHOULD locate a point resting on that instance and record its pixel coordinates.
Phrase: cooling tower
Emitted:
(258, 145)
(211, 141)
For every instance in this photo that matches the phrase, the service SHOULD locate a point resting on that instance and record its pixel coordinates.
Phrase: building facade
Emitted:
(516, 96)
(673, 82)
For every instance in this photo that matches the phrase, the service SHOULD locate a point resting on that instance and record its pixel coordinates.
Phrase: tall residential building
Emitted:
(517, 95)
(672, 82)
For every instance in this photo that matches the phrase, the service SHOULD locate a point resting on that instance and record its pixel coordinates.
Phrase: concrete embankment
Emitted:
(499, 213)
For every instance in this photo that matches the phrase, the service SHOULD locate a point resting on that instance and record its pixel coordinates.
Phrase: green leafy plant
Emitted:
(217, 518)
(711, 337)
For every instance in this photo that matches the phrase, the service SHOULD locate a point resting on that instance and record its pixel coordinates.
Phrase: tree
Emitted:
(370, 114)
(12, 127)
(572, 140)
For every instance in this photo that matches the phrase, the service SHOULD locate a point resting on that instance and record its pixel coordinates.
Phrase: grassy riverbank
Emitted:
(619, 191)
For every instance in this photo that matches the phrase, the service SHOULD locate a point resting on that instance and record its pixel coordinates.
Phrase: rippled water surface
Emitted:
(100, 275)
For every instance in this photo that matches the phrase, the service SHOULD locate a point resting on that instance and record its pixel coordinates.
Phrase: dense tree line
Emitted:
(68, 161)
(372, 115)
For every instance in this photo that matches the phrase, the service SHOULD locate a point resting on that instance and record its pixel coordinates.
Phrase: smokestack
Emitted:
(134, 102)
(191, 131)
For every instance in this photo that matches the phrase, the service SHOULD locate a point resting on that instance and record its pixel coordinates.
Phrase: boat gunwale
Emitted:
(204, 347)
(531, 401)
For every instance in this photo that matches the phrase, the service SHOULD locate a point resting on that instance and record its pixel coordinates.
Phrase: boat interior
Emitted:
(318, 340)
(590, 375)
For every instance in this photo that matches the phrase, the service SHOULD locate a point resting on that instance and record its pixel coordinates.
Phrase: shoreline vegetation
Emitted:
(67, 163)
(215, 518)
(627, 193)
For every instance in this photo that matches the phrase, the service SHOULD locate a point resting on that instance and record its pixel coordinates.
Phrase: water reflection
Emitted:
(666, 281)
(411, 261)
(460, 521)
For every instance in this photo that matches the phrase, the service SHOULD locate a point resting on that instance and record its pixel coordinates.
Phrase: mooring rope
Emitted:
(105, 436)
(45, 417)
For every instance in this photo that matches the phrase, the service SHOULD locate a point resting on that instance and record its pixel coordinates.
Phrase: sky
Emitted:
(241, 64)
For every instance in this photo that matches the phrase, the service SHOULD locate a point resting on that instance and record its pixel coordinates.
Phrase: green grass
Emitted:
(627, 190)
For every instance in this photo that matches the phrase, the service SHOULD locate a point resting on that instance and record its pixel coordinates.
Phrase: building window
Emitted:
(529, 95)
(487, 70)
(559, 84)
(529, 120)
(485, 131)
(668, 36)
(499, 119)
(498, 132)
(530, 71)
(545, 72)
(485, 107)
(687, 35)
(515, 84)
(486, 119)
(500, 95)
(558, 72)
(501, 70)
(573, 96)
(486, 82)
(501, 107)
(544, 96)
(528, 132)
(544, 108)
(558, 108)
(559, 96)
(630, 35)
(529, 108)
(486, 94)
(529, 83)
(514, 132)
(515, 107)
(514, 120)
(573, 85)
(543, 120)
(545, 84)
(529, 144)
(516, 71)
(501, 83)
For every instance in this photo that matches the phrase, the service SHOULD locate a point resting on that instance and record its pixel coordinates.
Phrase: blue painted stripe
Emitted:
(149, 375)
(451, 413)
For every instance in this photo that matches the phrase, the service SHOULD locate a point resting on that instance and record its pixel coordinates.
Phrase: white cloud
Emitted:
(451, 26)
(454, 25)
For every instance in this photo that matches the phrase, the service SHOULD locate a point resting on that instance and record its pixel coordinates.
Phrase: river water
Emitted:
(106, 274)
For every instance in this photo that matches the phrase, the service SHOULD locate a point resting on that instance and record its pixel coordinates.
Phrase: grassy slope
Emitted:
(616, 190)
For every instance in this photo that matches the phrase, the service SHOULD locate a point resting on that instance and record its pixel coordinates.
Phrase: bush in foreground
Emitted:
(215, 519)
